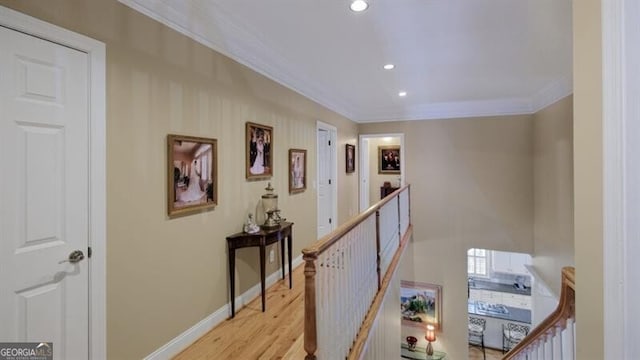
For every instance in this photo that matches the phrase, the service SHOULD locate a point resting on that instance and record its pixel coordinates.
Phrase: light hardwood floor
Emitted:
(252, 334)
(274, 334)
(475, 353)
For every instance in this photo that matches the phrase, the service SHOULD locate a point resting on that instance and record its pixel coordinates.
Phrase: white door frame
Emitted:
(363, 171)
(97, 171)
(333, 137)
(621, 172)
(364, 183)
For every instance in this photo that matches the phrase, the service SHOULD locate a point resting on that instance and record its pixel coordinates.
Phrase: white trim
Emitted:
(244, 45)
(182, 341)
(364, 180)
(241, 45)
(97, 196)
(621, 171)
(333, 136)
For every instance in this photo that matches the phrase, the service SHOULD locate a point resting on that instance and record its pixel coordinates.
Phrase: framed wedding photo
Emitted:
(192, 164)
(297, 170)
(389, 159)
(350, 158)
(259, 143)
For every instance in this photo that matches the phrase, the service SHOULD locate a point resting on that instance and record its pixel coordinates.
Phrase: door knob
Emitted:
(75, 257)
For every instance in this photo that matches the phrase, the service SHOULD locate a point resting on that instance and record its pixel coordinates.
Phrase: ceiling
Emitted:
(454, 58)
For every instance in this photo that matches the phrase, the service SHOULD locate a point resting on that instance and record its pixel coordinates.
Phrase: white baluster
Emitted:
(569, 340)
(557, 343)
(548, 339)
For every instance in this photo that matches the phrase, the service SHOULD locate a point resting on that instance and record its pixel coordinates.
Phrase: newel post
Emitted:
(310, 331)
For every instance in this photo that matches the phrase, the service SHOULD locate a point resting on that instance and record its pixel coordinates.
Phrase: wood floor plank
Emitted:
(253, 334)
(274, 334)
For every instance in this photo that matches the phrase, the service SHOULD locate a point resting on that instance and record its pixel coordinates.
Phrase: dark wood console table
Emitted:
(260, 239)
(386, 190)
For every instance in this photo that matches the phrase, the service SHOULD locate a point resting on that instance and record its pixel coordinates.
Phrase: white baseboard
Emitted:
(182, 341)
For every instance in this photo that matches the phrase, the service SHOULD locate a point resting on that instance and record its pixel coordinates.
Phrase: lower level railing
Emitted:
(347, 272)
(554, 338)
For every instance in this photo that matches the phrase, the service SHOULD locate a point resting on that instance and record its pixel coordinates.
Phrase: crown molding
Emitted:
(241, 44)
(450, 110)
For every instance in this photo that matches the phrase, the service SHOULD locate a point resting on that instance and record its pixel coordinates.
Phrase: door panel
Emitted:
(43, 193)
(324, 188)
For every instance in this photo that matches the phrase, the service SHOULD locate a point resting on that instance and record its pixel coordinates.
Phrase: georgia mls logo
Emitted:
(26, 351)
(44, 349)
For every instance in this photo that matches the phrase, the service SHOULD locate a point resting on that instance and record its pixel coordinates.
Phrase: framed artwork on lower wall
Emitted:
(420, 304)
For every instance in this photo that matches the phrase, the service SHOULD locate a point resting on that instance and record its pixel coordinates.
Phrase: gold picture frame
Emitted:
(420, 304)
(259, 151)
(389, 159)
(192, 164)
(297, 170)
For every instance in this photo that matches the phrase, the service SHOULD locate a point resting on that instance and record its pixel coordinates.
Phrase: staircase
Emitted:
(554, 338)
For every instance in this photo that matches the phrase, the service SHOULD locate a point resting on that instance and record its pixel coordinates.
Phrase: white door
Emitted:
(364, 174)
(325, 184)
(43, 193)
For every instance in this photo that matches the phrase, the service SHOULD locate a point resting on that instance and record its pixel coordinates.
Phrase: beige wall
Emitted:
(377, 180)
(164, 275)
(471, 186)
(553, 191)
(588, 173)
(472, 179)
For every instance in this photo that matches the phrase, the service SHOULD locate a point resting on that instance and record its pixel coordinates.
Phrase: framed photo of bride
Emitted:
(297, 170)
(192, 164)
(259, 159)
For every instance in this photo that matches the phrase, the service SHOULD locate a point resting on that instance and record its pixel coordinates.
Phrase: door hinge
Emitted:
(89, 251)
(329, 142)
(329, 181)
(329, 220)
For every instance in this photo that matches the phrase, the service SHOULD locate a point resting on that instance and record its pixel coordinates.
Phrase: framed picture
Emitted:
(389, 159)
(192, 164)
(259, 141)
(420, 304)
(297, 170)
(350, 158)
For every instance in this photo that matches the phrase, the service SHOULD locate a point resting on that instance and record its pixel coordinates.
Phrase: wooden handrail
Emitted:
(558, 318)
(324, 243)
(312, 253)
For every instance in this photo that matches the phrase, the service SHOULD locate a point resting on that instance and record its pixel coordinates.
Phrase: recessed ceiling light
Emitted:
(359, 5)
(402, 93)
(389, 66)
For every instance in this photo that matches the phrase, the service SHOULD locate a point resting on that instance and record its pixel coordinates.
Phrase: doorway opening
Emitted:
(381, 166)
(499, 298)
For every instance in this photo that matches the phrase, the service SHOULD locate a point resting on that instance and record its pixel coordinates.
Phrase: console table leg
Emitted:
(282, 260)
(289, 241)
(232, 280)
(262, 270)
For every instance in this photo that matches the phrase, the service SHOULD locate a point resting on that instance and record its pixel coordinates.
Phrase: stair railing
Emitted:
(345, 272)
(554, 337)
